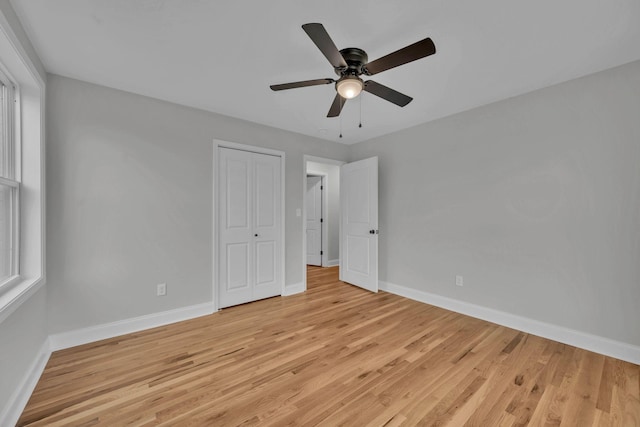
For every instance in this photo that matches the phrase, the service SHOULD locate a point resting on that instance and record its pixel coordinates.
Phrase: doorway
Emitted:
(355, 229)
(327, 171)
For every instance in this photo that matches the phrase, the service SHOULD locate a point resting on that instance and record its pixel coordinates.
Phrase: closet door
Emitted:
(249, 226)
(266, 226)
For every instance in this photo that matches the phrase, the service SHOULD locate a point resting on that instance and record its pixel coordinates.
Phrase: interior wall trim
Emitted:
(76, 337)
(595, 343)
(293, 289)
(18, 401)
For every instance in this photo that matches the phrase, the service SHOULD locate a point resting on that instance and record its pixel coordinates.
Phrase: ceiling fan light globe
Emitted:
(349, 88)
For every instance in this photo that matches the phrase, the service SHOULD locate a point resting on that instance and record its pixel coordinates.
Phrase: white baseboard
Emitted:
(595, 343)
(296, 288)
(333, 262)
(109, 330)
(15, 405)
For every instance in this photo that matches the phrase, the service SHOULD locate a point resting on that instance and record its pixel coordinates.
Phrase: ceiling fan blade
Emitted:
(321, 38)
(336, 107)
(387, 93)
(304, 83)
(399, 57)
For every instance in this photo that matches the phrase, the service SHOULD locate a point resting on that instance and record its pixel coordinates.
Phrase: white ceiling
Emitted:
(222, 55)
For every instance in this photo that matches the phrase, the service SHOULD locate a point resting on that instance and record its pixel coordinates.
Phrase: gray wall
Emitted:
(534, 200)
(23, 333)
(332, 222)
(130, 201)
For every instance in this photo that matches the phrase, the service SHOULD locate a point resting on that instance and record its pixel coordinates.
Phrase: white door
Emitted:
(249, 226)
(313, 200)
(359, 230)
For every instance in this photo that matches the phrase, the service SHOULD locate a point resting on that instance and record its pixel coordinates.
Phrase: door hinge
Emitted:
(320, 252)
(321, 187)
(321, 219)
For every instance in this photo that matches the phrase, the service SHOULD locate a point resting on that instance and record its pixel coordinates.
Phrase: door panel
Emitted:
(237, 266)
(358, 261)
(313, 205)
(265, 266)
(238, 192)
(236, 257)
(265, 192)
(359, 194)
(267, 282)
(249, 234)
(359, 214)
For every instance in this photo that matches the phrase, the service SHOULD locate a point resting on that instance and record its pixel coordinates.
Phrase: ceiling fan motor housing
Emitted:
(355, 59)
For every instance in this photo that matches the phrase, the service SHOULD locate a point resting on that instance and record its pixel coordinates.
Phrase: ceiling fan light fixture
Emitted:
(349, 86)
(350, 63)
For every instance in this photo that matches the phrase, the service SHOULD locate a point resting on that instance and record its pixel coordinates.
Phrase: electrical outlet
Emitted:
(161, 289)
(459, 281)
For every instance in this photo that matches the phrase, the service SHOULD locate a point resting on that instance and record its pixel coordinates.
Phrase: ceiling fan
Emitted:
(351, 63)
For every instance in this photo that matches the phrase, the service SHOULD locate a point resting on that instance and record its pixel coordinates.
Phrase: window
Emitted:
(22, 186)
(9, 183)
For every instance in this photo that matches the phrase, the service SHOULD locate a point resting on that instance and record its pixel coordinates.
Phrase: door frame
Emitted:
(325, 237)
(218, 143)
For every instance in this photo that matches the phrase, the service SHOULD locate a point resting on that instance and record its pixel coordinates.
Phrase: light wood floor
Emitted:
(335, 355)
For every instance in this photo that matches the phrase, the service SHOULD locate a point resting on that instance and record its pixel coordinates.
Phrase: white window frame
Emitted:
(29, 79)
(11, 160)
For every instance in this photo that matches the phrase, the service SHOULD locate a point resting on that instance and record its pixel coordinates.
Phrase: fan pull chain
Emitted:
(341, 102)
(360, 125)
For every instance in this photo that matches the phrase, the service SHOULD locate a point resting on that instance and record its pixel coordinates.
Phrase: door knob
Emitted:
(372, 231)
(256, 235)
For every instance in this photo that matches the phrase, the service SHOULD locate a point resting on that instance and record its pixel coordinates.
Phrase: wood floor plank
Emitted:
(335, 355)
